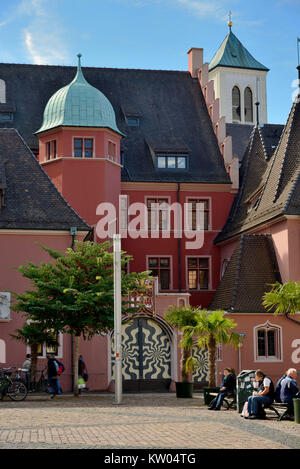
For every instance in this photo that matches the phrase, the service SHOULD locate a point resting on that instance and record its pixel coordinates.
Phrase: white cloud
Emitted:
(41, 33)
(44, 48)
(43, 38)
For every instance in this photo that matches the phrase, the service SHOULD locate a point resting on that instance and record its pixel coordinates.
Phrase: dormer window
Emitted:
(171, 162)
(132, 121)
(83, 147)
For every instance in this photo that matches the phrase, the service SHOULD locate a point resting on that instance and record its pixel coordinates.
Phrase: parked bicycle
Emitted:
(15, 389)
(41, 384)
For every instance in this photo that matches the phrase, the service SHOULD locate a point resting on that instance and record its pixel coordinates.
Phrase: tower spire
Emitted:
(230, 20)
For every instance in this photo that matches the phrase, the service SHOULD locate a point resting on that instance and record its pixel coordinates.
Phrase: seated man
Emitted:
(278, 387)
(227, 388)
(263, 395)
(289, 389)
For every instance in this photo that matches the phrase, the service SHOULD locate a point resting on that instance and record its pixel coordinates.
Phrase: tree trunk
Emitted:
(75, 364)
(184, 357)
(211, 346)
(34, 356)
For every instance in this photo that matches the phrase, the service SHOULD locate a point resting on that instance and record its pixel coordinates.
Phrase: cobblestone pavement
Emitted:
(142, 421)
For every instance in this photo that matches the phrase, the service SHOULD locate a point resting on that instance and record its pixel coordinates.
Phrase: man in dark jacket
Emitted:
(52, 374)
(289, 390)
(227, 388)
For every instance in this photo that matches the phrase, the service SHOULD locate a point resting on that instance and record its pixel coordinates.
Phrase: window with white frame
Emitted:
(112, 150)
(51, 149)
(161, 267)
(5, 299)
(198, 273)
(83, 147)
(44, 349)
(268, 342)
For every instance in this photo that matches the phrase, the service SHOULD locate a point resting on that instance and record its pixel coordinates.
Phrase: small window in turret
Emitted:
(83, 147)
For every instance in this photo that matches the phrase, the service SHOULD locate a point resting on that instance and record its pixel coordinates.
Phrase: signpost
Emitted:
(117, 318)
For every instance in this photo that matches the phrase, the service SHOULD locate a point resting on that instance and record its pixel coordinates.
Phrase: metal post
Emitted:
(117, 318)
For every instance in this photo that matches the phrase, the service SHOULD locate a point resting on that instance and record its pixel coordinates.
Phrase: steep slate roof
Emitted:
(170, 106)
(233, 54)
(31, 199)
(269, 186)
(249, 273)
(240, 134)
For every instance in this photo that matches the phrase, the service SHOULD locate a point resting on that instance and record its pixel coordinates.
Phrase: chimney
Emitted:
(195, 60)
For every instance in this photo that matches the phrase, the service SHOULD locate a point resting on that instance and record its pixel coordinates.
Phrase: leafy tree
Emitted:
(34, 334)
(75, 292)
(211, 328)
(181, 318)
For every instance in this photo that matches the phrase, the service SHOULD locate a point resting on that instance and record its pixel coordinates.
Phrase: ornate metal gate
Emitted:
(146, 356)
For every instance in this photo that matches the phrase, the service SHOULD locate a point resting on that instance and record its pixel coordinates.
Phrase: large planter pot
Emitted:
(184, 390)
(207, 397)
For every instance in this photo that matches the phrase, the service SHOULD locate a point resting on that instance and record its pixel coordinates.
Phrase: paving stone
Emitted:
(142, 421)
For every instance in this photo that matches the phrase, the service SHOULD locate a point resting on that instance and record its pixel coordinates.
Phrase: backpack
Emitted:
(61, 368)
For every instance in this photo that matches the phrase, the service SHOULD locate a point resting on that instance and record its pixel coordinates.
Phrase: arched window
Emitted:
(268, 342)
(236, 104)
(248, 105)
(2, 91)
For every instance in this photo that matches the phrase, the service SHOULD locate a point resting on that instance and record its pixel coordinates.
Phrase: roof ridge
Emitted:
(290, 118)
(96, 68)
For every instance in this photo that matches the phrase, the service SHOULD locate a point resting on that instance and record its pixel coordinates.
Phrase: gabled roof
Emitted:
(250, 272)
(170, 107)
(241, 133)
(233, 54)
(269, 186)
(31, 199)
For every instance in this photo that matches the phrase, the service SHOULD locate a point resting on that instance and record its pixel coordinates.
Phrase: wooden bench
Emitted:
(280, 409)
(229, 402)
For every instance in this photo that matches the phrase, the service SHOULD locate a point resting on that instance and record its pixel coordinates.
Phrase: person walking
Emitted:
(27, 367)
(82, 371)
(52, 375)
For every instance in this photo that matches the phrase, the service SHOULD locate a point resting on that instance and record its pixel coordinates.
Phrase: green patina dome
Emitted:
(79, 104)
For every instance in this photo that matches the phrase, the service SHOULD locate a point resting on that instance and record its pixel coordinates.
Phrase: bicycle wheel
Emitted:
(17, 391)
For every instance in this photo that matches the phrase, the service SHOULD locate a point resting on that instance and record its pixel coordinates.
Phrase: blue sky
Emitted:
(154, 34)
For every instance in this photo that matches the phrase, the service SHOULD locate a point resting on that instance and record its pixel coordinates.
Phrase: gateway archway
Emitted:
(146, 355)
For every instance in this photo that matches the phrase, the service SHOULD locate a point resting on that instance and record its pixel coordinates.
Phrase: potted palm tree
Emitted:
(183, 318)
(212, 328)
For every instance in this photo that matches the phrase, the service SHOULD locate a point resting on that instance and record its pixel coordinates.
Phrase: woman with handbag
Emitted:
(82, 371)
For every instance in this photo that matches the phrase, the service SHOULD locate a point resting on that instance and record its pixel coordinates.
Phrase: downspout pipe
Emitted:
(179, 245)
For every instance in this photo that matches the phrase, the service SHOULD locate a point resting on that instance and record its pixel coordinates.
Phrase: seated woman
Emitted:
(263, 395)
(227, 388)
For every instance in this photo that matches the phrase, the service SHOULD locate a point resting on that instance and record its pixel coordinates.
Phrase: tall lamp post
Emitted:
(117, 318)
